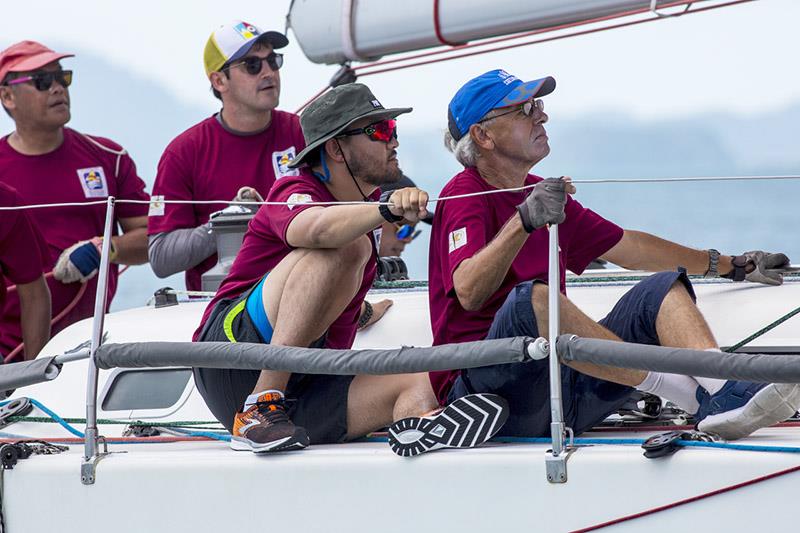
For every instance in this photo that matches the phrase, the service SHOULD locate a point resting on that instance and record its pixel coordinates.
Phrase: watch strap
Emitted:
(383, 209)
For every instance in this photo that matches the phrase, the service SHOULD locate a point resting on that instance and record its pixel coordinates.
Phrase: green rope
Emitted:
(763, 330)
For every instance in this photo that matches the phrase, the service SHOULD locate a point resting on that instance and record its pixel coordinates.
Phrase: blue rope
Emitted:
(63, 423)
(225, 437)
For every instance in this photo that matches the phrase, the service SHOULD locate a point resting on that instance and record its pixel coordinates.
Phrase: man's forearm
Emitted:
(179, 250)
(34, 300)
(478, 277)
(131, 247)
(642, 251)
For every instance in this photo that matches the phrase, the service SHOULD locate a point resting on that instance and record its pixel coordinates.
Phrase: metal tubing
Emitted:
(554, 292)
(90, 441)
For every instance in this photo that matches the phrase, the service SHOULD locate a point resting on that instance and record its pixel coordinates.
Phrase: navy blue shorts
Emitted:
(587, 400)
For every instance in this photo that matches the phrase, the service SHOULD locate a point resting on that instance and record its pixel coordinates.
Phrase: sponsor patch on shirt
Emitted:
(457, 239)
(156, 206)
(93, 182)
(280, 163)
(298, 198)
(376, 234)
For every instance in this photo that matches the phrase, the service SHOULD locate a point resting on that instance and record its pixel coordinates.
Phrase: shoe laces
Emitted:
(273, 412)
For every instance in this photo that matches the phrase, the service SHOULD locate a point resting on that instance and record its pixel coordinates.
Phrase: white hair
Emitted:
(465, 150)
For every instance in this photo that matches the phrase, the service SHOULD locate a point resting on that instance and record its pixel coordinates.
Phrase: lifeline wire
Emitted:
(431, 200)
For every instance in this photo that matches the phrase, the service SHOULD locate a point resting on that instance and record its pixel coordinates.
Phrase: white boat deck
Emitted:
(363, 486)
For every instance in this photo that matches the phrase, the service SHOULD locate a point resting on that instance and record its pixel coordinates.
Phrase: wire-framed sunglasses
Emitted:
(44, 80)
(254, 64)
(383, 131)
(526, 108)
(407, 232)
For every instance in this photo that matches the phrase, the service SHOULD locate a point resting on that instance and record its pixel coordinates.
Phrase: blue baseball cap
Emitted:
(494, 89)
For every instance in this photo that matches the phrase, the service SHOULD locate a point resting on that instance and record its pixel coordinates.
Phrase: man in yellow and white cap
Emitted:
(237, 153)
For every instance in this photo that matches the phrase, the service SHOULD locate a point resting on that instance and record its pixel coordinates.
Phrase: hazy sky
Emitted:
(732, 59)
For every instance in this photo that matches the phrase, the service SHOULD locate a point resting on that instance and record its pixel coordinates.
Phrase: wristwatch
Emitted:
(713, 263)
(384, 209)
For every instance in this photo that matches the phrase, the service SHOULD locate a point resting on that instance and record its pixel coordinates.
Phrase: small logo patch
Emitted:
(247, 31)
(93, 182)
(376, 104)
(457, 239)
(280, 163)
(377, 233)
(298, 198)
(156, 206)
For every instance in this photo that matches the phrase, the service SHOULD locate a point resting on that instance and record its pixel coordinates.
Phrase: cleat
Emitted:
(467, 422)
(265, 427)
(741, 407)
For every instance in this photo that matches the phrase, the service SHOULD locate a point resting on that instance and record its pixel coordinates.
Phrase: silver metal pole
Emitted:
(554, 315)
(91, 455)
(556, 460)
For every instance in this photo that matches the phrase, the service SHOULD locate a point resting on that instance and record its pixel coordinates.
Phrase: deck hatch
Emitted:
(145, 389)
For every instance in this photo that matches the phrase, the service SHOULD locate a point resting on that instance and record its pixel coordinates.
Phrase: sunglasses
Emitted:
(406, 231)
(526, 108)
(384, 131)
(254, 64)
(44, 80)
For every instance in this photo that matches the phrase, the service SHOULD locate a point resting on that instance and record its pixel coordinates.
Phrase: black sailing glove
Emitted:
(759, 267)
(544, 205)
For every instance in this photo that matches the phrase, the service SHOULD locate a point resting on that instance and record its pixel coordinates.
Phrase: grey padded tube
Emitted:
(16, 375)
(310, 360)
(760, 368)
(171, 252)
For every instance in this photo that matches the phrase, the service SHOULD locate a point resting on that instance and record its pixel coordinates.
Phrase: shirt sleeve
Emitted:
(298, 193)
(173, 182)
(590, 236)
(21, 247)
(462, 234)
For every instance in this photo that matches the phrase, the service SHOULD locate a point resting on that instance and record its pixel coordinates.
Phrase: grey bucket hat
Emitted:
(337, 110)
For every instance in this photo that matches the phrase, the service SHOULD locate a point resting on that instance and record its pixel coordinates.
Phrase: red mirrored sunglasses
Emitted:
(384, 131)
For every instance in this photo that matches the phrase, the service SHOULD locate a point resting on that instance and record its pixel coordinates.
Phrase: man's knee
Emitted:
(356, 254)
(540, 297)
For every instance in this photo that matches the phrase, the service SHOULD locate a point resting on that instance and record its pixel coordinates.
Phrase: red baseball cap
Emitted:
(25, 56)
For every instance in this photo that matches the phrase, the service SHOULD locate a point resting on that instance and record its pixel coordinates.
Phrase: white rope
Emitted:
(432, 200)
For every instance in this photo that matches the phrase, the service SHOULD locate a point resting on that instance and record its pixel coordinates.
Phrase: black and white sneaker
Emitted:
(467, 422)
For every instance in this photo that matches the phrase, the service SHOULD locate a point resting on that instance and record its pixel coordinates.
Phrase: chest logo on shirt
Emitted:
(93, 182)
(456, 239)
(298, 198)
(156, 206)
(280, 163)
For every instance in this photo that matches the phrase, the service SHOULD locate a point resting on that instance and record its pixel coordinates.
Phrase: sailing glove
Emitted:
(80, 262)
(544, 205)
(759, 267)
(248, 194)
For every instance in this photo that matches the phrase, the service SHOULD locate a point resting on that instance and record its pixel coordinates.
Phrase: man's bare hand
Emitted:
(410, 203)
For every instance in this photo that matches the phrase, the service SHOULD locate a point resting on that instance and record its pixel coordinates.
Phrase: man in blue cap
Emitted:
(488, 272)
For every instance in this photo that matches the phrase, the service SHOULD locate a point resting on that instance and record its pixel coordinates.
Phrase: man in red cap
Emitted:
(48, 163)
(21, 262)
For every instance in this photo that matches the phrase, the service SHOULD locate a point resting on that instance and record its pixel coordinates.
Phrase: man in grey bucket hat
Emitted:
(299, 280)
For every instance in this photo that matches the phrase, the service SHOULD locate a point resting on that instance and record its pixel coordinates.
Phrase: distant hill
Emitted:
(733, 217)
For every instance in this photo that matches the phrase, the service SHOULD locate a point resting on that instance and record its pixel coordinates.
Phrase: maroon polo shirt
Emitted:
(462, 227)
(208, 162)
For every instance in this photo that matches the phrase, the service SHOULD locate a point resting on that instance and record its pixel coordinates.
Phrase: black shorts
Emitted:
(316, 402)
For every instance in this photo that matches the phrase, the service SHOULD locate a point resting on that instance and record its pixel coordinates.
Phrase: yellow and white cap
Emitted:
(232, 41)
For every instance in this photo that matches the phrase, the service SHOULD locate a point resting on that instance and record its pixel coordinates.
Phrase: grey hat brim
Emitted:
(378, 114)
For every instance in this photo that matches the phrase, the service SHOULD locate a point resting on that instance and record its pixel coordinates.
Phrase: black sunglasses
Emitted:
(44, 80)
(254, 64)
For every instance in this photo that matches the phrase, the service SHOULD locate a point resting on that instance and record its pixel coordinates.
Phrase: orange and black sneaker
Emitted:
(265, 427)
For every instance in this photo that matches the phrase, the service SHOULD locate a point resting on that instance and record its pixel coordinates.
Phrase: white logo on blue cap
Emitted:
(376, 104)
